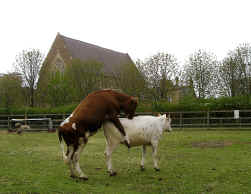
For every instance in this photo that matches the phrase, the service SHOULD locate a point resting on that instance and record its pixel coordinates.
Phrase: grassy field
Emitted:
(190, 162)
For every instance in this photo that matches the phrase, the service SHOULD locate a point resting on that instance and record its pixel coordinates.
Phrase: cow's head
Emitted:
(130, 106)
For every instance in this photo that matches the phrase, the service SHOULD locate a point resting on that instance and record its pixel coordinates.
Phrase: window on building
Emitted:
(59, 65)
(169, 98)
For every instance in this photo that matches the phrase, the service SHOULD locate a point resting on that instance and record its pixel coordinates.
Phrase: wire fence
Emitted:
(180, 120)
(212, 119)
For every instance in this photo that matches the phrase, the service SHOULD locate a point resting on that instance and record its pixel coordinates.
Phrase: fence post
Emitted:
(50, 125)
(8, 123)
(181, 120)
(240, 121)
(208, 120)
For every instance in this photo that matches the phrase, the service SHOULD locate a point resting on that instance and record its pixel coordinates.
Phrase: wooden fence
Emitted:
(180, 120)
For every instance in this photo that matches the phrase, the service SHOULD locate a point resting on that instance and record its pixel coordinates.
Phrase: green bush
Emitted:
(39, 110)
(193, 104)
(186, 104)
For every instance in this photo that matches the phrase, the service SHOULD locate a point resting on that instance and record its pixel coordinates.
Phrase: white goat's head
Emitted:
(167, 122)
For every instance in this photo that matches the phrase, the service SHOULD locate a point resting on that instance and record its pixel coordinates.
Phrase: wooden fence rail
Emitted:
(199, 119)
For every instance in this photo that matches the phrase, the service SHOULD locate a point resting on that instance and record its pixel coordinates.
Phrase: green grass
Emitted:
(190, 162)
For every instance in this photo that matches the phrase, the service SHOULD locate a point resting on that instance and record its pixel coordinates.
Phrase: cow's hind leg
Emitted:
(76, 158)
(119, 126)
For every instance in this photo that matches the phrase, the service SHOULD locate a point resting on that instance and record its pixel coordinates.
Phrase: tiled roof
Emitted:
(112, 60)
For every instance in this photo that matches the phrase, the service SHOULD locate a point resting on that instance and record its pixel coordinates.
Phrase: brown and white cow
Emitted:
(88, 117)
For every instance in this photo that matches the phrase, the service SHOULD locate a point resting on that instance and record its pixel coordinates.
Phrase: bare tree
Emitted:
(28, 64)
(234, 72)
(228, 74)
(200, 73)
(159, 72)
(243, 54)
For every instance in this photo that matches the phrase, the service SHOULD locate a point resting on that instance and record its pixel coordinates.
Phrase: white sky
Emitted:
(140, 28)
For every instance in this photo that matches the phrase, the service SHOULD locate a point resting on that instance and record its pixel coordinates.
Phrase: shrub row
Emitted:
(192, 104)
(39, 110)
(186, 104)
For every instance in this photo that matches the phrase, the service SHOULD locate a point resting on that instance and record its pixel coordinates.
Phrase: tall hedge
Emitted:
(187, 104)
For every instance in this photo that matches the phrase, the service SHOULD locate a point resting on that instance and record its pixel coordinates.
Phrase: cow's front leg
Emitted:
(76, 158)
(69, 160)
(119, 126)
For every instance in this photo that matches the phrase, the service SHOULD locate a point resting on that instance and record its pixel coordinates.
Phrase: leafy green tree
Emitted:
(129, 80)
(11, 93)
(84, 77)
(59, 91)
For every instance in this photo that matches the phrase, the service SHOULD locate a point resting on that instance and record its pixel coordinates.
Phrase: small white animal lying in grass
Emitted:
(141, 130)
(21, 128)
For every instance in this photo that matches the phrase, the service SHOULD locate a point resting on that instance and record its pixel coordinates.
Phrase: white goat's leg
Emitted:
(108, 153)
(142, 167)
(76, 161)
(154, 155)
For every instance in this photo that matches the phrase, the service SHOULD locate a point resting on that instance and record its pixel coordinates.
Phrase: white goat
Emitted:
(141, 130)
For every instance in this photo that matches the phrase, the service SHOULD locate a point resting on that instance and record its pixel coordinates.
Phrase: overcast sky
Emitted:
(140, 28)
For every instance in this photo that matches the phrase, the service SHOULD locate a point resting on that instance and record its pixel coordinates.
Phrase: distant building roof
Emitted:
(112, 60)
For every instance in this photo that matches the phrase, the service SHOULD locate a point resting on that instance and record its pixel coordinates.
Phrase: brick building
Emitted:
(64, 50)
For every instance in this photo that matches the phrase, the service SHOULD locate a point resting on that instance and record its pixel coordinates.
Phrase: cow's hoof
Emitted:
(113, 173)
(127, 144)
(142, 168)
(157, 169)
(83, 178)
(73, 176)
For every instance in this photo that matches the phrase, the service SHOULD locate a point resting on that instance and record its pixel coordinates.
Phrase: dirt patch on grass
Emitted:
(216, 144)
(3, 131)
(212, 144)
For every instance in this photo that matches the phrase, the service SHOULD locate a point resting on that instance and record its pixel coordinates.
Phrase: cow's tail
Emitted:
(60, 134)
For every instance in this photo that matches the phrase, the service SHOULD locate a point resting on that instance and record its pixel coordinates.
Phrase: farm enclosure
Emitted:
(180, 120)
(190, 162)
